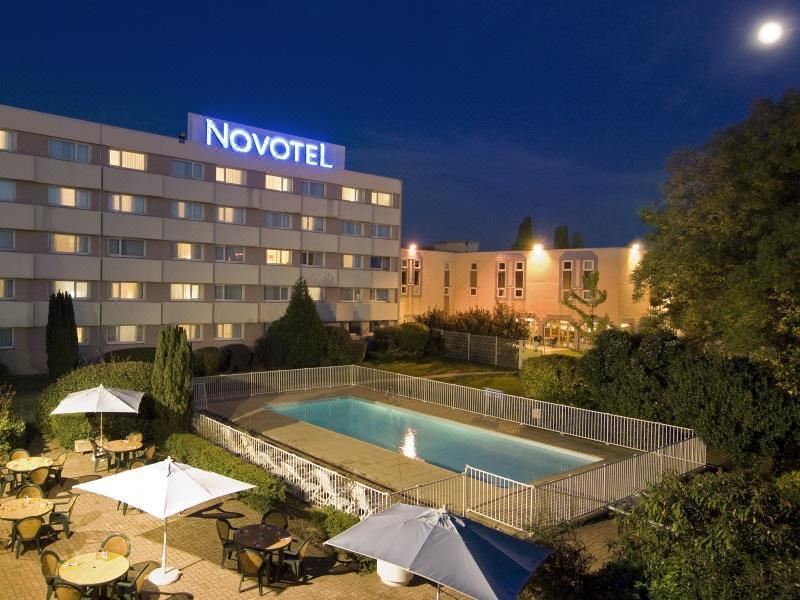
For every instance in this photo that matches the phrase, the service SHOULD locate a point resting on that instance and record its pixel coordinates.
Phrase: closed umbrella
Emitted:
(100, 399)
(164, 489)
(449, 550)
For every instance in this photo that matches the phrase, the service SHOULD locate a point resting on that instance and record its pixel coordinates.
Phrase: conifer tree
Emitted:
(171, 380)
(61, 335)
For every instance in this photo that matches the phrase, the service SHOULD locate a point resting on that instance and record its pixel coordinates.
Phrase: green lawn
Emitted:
(429, 367)
(510, 383)
(28, 388)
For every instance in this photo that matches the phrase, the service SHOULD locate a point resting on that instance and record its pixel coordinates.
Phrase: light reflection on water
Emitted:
(409, 446)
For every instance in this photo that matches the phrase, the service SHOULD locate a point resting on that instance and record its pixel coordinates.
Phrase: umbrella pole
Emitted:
(164, 575)
(164, 549)
(438, 587)
(101, 428)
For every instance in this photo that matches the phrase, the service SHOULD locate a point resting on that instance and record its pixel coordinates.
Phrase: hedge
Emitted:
(206, 361)
(140, 354)
(194, 450)
(236, 358)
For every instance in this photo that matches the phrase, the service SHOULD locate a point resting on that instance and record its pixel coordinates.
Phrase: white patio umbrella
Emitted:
(164, 489)
(99, 399)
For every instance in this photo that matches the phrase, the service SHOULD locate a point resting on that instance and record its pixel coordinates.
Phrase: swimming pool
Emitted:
(441, 442)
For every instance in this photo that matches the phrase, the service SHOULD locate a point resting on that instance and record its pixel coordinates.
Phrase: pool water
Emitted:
(441, 442)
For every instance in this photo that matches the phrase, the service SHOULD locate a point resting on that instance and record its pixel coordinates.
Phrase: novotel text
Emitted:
(245, 141)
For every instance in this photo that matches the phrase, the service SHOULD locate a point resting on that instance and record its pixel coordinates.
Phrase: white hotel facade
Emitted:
(209, 232)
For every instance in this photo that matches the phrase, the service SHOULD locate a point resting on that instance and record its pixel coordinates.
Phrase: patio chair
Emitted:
(229, 548)
(31, 490)
(27, 530)
(117, 543)
(362, 504)
(99, 455)
(132, 588)
(149, 453)
(57, 467)
(295, 559)
(133, 465)
(135, 437)
(18, 453)
(275, 517)
(67, 591)
(39, 476)
(252, 564)
(310, 488)
(63, 516)
(49, 562)
(329, 495)
(7, 479)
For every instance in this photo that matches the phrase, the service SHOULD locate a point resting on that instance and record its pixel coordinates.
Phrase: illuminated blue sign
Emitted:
(270, 145)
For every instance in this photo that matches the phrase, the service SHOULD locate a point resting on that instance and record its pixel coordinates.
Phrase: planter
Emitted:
(392, 575)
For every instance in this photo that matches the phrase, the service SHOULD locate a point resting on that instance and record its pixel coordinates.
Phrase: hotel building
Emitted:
(531, 283)
(208, 230)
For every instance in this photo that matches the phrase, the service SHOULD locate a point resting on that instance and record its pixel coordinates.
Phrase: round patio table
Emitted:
(92, 569)
(26, 465)
(20, 508)
(264, 538)
(120, 448)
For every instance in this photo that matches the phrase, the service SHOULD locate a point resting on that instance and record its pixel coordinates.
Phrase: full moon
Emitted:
(770, 33)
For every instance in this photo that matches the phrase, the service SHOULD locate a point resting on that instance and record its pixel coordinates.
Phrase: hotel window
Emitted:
(519, 279)
(6, 289)
(566, 278)
(404, 276)
(416, 276)
(447, 279)
(228, 292)
(185, 291)
(278, 220)
(278, 183)
(125, 290)
(274, 293)
(381, 198)
(228, 331)
(352, 228)
(227, 214)
(127, 159)
(7, 140)
(6, 337)
(312, 224)
(194, 333)
(380, 231)
(125, 334)
(64, 243)
(379, 263)
(83, 335)
(587, 266)
(312, 188)
(473, 279)
(69, 197)
(64, 150)
(79, 290)
(187, 210)
(230, 175)
(501, 280)
(379, 295)
(315, 293)
(123, 247)
(6, 239)
(351, 261)
(312, 259)
(187, 169)
(229, 254)
(125, 203)
(350, 295)
(8, 190)
(187, 251)
(279, 257)
(353, 194)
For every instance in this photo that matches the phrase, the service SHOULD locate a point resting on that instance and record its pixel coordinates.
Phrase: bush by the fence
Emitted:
(194, 450)
(206, 361)
(236, 358)
(12, 427)
(555, 378)
(408, 340)
(68, 428)
(341, 350)
(146, 354)
(332, 522)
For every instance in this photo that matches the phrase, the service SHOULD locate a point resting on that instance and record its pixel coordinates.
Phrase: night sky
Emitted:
(565, 111)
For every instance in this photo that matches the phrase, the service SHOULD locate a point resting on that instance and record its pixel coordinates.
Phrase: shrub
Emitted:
(139, 354)
(171, 381)
(555, 378)
(408, 340)
(563, 574)
(341, 350)
(333, 522)
(206, 361)
(61, 336)
(194, 450)
(68, 428)
(236, 358)
(12, 427)
(503, 321)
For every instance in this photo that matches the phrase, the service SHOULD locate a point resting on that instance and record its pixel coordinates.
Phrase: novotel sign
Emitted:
(262, 143)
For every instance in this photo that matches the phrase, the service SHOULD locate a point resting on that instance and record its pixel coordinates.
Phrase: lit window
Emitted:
(227, 214)
(279, 257)
(315, 293)
(566, 278)
(312, 224)
(227, 292)
(352, 194)
(473, 279)
(313, 188)
(125, 290)
(274, 293)
(230, 175)
(229, 254)
(588, 266)
(6, 289)
(379, 295)
(350, 294)
(127, 159)
(501, 279)
(69, 197)
(278, 220)
(126, 203)
(184, 291)
(351, 261)
(6, 337)
(83, 335)
(278, 184)
(311, 259)
(64, 150)
(187, 251)
(187, 169)
(194, 333)
(6, 239)
(228, 331)
(64, 243)
(352, 228)
(79, 290)
(125, 334)
(381, 198)
(380, 263)
(7, 140)
(187, 210)
(8, 190)
(380, 231)
(123, 247)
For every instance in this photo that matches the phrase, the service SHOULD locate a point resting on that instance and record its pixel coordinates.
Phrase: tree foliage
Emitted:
(503, 321)
(172, 380)
(577, 240)
(589, 321)
(61, 335)
(561, 237)
(12, 427)
(525, 235)
(722, 255)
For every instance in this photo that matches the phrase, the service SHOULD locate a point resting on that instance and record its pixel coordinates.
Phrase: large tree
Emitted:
(585, 306)
(61, 335)
(561, 237)
(723, 255)
(525, 233)
(171, 381)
